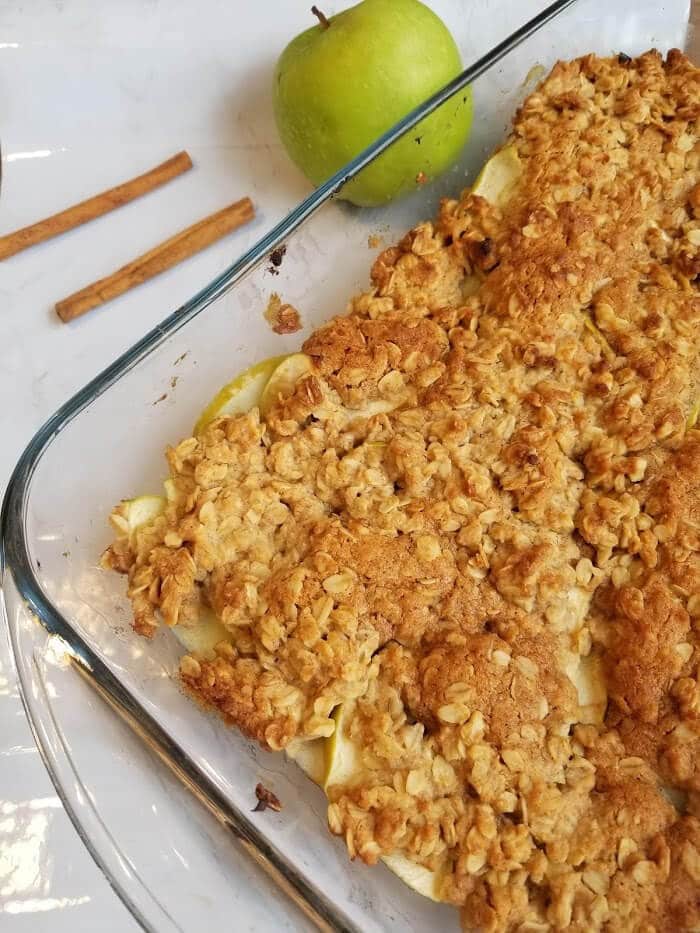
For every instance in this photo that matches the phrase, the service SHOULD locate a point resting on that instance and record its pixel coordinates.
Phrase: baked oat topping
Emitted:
(476, 522)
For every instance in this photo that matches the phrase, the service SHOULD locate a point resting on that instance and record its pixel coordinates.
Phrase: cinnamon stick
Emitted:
(94, 207)
(162, 257)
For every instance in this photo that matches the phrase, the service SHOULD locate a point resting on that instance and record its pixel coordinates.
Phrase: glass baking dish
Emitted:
(170, 862)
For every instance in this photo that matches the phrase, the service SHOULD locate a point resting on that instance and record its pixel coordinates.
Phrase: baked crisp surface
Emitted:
(477, 519)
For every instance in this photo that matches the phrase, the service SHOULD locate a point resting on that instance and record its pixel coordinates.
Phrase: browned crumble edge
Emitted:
(520, 509)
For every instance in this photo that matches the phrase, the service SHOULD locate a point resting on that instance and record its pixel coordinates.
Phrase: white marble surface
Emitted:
(92, 92)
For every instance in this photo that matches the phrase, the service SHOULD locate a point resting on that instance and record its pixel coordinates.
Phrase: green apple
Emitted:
(342, 83)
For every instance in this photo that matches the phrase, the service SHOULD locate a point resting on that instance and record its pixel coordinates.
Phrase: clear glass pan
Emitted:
(169, 861)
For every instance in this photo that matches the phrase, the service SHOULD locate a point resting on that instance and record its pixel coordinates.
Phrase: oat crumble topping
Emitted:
(520, 522)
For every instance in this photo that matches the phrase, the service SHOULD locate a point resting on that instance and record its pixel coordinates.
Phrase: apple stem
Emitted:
(322, 18)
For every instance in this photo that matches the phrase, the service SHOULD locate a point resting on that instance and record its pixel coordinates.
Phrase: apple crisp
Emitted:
(475, 523)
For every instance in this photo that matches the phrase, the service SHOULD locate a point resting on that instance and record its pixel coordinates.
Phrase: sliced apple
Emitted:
(207, 631)
(241, 394)
(588, 678)
(342, 756)
(419, 878)
(283, 379)
(592, 692)
(495, 183)
(143, 509)
(334, 760)
(343, 762)
(498, 177)
(202, 636)
(310, 756)
(132, 514)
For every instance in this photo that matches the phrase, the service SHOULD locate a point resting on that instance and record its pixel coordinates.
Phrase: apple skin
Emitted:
(337, 88)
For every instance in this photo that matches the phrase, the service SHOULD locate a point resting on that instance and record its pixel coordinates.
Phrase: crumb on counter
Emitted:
(266, 800)
(283, 318)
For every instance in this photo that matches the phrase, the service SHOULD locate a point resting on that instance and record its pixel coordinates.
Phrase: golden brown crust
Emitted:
(478, 521)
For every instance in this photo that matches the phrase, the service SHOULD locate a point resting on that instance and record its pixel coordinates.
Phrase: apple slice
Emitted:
(319, 759)
(342, 761)
(294, 368)
(588, 677)
(132, 514)
(342, 757)
(495, 183)
(310, 756)
(143, 509)
(283, 379)
(241, 394)
(499, 176)
(589, 680)
(420, 879)
(204, 635)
